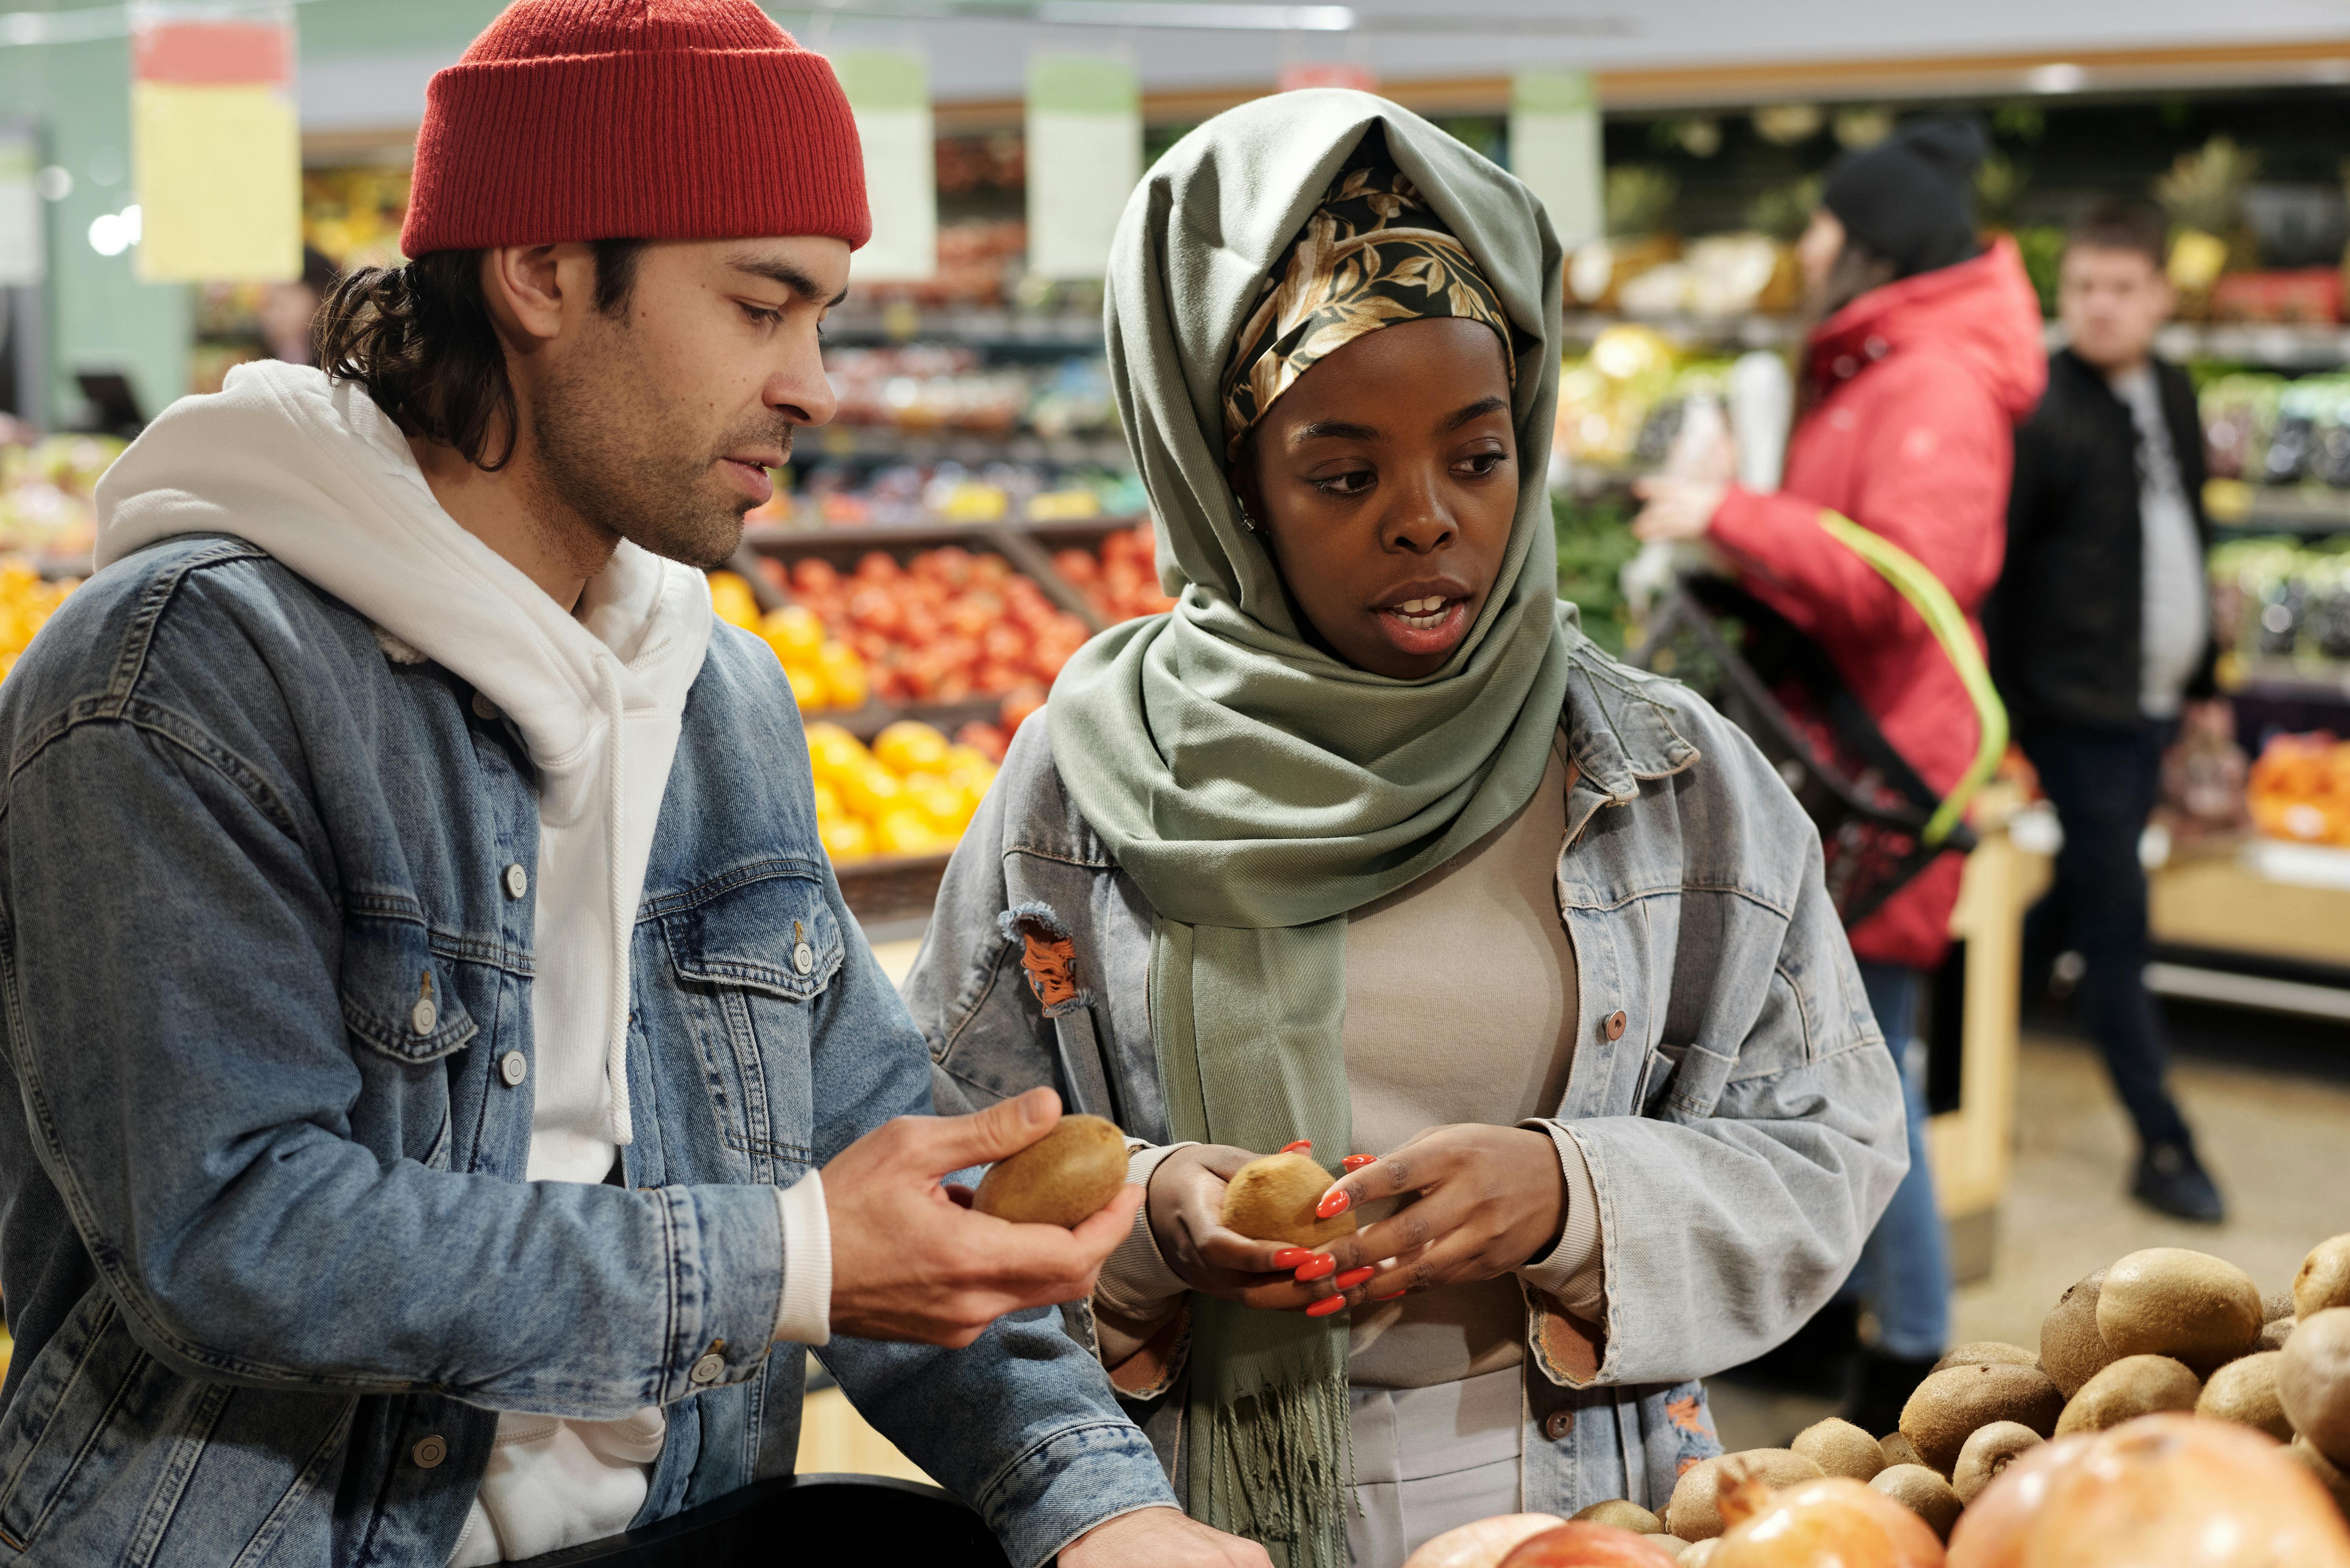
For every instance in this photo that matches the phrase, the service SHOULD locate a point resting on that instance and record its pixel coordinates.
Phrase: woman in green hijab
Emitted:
(1365, 848)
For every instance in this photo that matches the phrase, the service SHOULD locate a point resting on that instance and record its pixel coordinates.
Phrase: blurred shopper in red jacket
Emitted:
(1926, 354)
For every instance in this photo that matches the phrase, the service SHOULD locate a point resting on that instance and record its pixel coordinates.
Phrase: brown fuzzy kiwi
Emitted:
(1987, 1452)
(2329, 1475)
(1952, 1403)
(1062, 1178)
(2323, 1279)
(2190, 1307)
(2134, 1385)
(1623, 1515)
(2245, 1392)
(2070, 1352)
(1696, 1555)
(2275, 1332)
(2278, 1304)
(1695, 1511)
(1840, 1448)
(2313, 1382)
(1898, 1449)
(1988, 1353)
(1923, 1493)
(1273, 1200)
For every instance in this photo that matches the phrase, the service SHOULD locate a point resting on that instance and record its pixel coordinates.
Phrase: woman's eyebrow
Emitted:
(1476, 411)
(1332, 429)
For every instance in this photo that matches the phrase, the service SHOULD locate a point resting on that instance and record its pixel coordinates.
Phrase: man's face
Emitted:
(2112, 303)
(657, 423)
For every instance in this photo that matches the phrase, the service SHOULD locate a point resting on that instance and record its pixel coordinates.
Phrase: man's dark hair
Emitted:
(2113, 224)
(419, 338)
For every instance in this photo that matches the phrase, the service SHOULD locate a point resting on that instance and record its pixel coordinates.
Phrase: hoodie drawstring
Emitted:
(616, 1049)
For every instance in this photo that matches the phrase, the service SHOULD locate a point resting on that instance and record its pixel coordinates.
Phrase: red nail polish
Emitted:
(1334, 1201)
(1325, 1306)
(1356, 1161)
(1353, 1277)
(1392, 1295)
(1321, 1265)
(1290, 1257)
(1300, 1146)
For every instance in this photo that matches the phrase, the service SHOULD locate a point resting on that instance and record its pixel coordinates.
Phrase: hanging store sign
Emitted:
(1085, 158)
(889, 93)
(216, 149)
(23, 255)
(1555, 149)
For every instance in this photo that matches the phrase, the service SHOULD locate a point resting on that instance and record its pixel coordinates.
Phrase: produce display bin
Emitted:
(832, 1518)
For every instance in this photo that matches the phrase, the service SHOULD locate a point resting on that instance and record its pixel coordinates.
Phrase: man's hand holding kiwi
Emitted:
(911, 1260)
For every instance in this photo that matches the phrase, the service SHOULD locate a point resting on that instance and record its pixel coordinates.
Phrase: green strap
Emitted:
(1943, 618)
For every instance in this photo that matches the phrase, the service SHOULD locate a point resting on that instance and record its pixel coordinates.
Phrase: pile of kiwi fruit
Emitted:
(2163, 1329)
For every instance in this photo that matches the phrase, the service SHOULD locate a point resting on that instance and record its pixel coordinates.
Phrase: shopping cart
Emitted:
(832, 1518)
(1880, 824)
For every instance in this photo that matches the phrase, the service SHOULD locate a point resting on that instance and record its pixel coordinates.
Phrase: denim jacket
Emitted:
(266, 1242)
(1731, 1094)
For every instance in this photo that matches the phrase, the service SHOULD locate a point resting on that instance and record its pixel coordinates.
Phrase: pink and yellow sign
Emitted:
(215, 147)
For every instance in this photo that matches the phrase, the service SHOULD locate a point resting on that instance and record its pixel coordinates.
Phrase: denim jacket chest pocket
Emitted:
(398, 997)
(753, 955)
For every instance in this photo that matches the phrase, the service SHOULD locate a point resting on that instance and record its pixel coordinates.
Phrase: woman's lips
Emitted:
(756, 483)
(1425, 626)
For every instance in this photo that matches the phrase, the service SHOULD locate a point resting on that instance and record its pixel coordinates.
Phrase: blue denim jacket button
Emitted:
(803, 958)
(429, 1453)
(424, 1016)
(514, 1067)
(518, 880)
(706, 1370)
(485, 710)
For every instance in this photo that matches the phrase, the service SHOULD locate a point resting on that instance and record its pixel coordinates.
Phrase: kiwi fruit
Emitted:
(2070, 1352)
(2329, 1475)
(2245, 1392)
(2313, 1382)
(1063, 1179)
(1950, 1404)
(1987, 1452)
(1695, 1511)
(2323, 1279)
(1623, 1515)
(1273, 1200)
(2278, 1304)
(1840, 1448)
(1898, 1451)
(1696, 1554)
(1988, 1353)
(2135, 1385)
(2190, 1307)
(1923, 1493)
(2274, 1332)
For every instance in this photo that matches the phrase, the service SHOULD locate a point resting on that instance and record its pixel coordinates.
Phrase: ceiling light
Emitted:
(2061, 76)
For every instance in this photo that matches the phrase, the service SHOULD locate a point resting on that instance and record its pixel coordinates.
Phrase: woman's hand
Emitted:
(1187, 1219)
(1677, 508)
(1491, 1200)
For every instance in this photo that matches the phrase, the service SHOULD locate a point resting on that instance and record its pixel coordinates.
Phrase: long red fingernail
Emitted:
(1290, 1257)
(1300, 1146)
(1325, 1306)
(1356, 1161)
(1321, 1264)
(1353, 1277)
(1392, 1295)
(1334, 1201)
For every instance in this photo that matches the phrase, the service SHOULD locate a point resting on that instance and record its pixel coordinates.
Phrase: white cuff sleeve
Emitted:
(1576, 1270)
(804, 1311)
(1135, 1282)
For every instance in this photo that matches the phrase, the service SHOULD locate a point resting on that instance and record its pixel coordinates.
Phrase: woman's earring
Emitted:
(1247, 522)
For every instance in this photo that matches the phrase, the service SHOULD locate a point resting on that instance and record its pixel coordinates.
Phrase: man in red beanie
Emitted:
(453, 1089)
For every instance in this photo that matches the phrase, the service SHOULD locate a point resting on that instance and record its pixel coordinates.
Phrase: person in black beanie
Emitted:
(1922, 351)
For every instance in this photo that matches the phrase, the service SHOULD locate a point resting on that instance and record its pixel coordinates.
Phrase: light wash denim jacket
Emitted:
(261, 1239)
(1737, 1107)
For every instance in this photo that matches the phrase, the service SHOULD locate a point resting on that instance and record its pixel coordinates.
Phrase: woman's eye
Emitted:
(1352, 482)
(1483, 463)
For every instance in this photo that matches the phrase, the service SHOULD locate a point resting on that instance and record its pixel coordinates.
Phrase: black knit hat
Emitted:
(1910, 198)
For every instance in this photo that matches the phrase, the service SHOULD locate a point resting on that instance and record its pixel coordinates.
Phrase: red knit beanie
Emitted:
(626, 119)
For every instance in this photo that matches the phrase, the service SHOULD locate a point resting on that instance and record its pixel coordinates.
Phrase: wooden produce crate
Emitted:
(2265, 899)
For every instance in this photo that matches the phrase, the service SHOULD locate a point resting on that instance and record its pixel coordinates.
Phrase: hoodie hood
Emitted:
(1981, 312)
(313, 472)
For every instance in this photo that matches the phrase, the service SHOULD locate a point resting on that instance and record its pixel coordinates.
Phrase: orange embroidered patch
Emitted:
(1688, 1415)
(1052, 967)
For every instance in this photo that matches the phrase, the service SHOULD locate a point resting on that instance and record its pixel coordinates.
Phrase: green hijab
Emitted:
(1258, 789)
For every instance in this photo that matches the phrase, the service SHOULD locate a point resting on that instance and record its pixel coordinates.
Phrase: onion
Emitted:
(1482, 1545)
(2165, 1489)
(1585, 1544)
(1836, 1522)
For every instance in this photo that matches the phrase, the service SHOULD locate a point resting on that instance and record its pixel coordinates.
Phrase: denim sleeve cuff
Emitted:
(804, 1307)
(1076, 1479)
(725, 1263)
(1575, 1270)
(1135, 1282)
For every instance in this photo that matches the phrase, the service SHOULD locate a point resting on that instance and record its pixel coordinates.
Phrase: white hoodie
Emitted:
(311, 471)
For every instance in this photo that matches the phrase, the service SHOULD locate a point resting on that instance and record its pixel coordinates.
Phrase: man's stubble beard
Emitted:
(611, 451)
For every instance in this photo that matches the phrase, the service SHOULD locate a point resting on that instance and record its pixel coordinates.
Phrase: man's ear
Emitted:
(529, 287)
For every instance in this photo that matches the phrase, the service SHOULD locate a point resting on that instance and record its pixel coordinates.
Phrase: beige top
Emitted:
(1460, 1007)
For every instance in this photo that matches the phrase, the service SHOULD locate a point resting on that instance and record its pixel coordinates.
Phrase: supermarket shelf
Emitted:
(2301, 509)
(972, 328)
(944, 716)
(1055, 532)
(2270, 900)
(1722, 331)
(890, 889)
(2299, 682)
(886, 443)
(2258, 991)
(2282, 345)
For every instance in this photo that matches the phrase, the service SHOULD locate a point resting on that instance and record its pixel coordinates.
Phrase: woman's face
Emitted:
(1385, 479)
(1817, 252)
